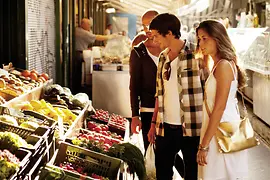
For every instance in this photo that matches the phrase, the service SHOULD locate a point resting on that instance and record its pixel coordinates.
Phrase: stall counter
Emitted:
(111, 91)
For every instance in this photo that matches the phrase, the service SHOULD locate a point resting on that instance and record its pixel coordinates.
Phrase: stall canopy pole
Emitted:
(65, 43)
(59, 77)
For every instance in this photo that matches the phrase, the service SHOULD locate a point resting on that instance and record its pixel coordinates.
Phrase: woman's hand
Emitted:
(201, 157)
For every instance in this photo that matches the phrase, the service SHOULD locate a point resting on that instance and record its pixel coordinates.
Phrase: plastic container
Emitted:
(24, 157)
(97, 163)
(109, 67)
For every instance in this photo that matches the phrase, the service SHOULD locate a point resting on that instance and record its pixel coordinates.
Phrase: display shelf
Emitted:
(35, 93)
(77, 124)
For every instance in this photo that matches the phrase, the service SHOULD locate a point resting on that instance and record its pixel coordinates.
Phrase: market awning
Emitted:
(185, 9)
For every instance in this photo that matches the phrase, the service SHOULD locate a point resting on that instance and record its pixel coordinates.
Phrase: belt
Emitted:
(172, 126)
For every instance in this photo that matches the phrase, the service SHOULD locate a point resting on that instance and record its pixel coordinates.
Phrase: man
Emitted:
(83, 37)
(192, 38)
(108, 29)
(177, 117)
(143, 68)
(138, 39)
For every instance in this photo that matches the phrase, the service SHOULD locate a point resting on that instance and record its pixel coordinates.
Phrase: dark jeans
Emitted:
(146, 118)
(168, 146)
(77, 73)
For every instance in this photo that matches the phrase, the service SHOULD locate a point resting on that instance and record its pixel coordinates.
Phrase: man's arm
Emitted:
(134, 87)
(106, 37)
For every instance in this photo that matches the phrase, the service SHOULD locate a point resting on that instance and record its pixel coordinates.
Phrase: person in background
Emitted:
(192, 38)
(184, 32)
(143, 68)
(83, 37)
(220, 104)
(126, 38)
(176, 121)
(108, 29)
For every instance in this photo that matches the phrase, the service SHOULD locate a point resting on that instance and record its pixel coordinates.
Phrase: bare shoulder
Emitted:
(224, 70)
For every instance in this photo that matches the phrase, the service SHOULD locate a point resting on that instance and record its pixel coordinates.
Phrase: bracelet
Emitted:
(154, 122)
(201, 148)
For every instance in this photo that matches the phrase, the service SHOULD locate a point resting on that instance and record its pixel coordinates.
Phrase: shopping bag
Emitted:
(137, 140)
(150, 163)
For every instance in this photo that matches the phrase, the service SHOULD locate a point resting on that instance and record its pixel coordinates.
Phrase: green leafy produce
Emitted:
(30, 125)
(80, 99)
(132, 156)
(11, 141)
(8, 164)
(9, 119)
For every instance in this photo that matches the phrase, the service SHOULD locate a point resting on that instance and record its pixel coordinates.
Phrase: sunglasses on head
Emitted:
(167, 73)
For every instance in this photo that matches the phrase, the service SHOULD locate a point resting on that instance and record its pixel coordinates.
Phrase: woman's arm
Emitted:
(224, 76)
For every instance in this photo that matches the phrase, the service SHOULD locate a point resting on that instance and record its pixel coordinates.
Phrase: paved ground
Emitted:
(259, 163)
(259, 157)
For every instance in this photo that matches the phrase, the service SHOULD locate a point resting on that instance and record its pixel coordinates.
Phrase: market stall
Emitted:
(51, 133)
(252, 46)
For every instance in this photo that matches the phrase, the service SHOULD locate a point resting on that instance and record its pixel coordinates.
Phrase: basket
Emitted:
(24, 156)
(97, 163)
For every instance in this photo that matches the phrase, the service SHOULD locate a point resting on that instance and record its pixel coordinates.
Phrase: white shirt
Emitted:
(154, 58)
(107, 32)
(171, 95)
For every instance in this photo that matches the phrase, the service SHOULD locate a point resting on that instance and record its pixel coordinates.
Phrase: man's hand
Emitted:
(136, 122)
(152, 133)
(113, 36)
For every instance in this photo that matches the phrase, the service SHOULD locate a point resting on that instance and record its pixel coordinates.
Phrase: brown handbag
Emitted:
(235, 135)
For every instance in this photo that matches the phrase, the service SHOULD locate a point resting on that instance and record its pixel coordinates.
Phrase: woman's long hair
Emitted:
(225, 49)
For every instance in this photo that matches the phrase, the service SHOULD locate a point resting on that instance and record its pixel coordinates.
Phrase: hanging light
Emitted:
(110, 10)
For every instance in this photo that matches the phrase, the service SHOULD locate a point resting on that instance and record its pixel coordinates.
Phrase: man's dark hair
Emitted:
(108, 25)
(166, 22)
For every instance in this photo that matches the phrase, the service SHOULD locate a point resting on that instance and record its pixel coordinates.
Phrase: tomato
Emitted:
(34, 71)
(45, 76)
(33, 76)
(26, 73)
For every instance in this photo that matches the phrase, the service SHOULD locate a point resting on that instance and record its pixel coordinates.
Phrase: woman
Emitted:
(220, 90)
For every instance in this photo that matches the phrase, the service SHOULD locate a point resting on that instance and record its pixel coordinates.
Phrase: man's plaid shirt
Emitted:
(190, 88)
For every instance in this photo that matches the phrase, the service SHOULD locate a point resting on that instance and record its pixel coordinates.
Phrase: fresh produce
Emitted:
(9, 119)
(30, 125)
(54, 89)
(55, 94)
(102, 129)
(80, 99)
(81, 170)
(44, 108)
(117, 121)
(131, 155)
(12, 141)
(96, 141)
(9, 163)
(101, 115)
(45, 76)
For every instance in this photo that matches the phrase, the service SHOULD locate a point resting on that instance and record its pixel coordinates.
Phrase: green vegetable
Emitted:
(80, 99)
(30, 125)
(11, 141)
(132, 156)
(9, 119)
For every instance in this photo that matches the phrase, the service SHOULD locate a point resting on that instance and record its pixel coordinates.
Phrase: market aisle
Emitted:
(259, 162)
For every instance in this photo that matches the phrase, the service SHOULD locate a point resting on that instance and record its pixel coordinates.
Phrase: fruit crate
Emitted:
(24, 157)
(46, 132)
(97, 163)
